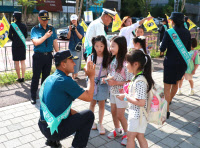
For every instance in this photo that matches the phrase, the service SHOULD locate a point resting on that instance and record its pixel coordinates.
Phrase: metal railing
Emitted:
(7, 63)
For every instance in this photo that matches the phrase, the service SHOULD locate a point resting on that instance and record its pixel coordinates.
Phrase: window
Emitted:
(8, 2)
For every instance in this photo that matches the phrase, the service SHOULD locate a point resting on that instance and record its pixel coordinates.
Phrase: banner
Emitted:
(192, 25)
(4, 29)
(116, 23)
(149, 24)
(169, 21)
(88, 16)
(84, 25)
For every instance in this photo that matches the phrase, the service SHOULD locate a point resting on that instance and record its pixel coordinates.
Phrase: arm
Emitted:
(10, 34)
(195, 68)
(164, 44)
(135, 101)
(79, 35)
(144, 19)
(69, 33)
(55, 45)
(88, 94)
(39, 41)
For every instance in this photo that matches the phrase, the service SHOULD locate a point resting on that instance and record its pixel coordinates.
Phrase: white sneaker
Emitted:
(124, 140)
(179, 92)
(115, 134)
(101, 129)
(191, 93)
(94, 126)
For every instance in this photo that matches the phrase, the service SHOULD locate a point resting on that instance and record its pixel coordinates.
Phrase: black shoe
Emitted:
(33, 100)
(55, 144)
(18, 80)
(22, 80)
(168, 114)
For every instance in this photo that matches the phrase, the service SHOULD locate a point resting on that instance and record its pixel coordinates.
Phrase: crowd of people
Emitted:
(110, 66)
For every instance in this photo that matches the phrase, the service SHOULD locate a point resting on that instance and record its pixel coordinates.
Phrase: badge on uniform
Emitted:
(174, 36)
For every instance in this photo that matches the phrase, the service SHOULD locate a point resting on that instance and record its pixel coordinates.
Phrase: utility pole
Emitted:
(176, 2)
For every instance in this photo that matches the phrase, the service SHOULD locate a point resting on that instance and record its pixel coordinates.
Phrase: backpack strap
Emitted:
(194, 56)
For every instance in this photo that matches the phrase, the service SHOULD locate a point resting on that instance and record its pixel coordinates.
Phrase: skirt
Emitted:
(174, 73)
(19, 53)
(102, 92)
(77, 67)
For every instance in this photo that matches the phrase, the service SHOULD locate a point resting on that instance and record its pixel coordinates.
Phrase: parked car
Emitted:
(62, 32)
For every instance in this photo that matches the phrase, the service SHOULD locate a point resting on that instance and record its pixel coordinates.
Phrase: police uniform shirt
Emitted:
(59, 92)
(37, 32)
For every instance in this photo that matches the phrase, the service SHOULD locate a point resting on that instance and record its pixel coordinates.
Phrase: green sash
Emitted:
(52, 121)
(185, 24)
(21, 35)
(180, 46)
(165, 26)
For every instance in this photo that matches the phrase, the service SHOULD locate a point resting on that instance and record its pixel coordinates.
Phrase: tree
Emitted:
(183, 5)
(145, 6)
(25, 5)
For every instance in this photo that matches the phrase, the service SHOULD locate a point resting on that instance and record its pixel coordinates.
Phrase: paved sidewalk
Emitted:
(18, 123)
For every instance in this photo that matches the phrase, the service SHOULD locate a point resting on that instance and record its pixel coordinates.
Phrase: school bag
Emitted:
(156, 111)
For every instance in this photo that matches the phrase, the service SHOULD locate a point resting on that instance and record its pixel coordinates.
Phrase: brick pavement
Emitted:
(18, 123)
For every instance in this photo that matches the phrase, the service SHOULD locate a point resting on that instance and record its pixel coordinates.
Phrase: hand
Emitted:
(193, 72)
(70, 28)
(121, 97)
(48, 34)
(73, 111)
(90, 71)
(112, 82)
(103, 80)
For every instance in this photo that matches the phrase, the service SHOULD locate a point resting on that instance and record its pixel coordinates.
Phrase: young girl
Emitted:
(118, 76)
(139, 64)
(140, 43)
(100, 56)
(192, 69)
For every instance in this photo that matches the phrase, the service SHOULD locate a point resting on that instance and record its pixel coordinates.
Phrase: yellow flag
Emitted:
(84, 25)
(4, 29)
(169, 21)
(116, 23)
(192, 25)
(149, 24)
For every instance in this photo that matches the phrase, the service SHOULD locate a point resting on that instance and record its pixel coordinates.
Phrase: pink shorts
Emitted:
(188, 76)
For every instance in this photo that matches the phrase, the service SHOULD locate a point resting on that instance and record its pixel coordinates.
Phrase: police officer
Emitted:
(18, 46)
(44, 39)
(57, 119)
(174, 63)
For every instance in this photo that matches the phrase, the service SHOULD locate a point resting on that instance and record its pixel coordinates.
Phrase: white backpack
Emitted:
(156, 104)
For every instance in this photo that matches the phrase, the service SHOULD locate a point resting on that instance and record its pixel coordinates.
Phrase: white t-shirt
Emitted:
(98, 66)
(127, 33)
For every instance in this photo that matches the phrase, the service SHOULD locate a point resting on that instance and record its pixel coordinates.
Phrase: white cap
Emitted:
(73, 17)
(109, 12)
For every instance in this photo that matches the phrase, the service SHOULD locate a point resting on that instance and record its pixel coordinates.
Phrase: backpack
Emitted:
(156, 111)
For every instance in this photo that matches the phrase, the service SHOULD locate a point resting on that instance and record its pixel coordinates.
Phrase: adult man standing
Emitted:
(58, 120)
(44, 39)
(97, 28)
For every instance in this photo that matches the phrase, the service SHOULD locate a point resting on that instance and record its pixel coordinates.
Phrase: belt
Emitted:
(44, 53)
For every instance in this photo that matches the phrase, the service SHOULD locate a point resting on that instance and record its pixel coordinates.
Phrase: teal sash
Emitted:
(52, 121)
(165, 26)
(21, 35)
(180, 46)
(185, 24)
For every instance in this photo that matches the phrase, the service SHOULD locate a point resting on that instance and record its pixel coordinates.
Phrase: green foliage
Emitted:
(130, 8)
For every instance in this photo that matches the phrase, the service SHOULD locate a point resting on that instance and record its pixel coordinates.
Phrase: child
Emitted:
(118, 77)
(139, 64)
(140, 43)
(191, 69)
(100, 56)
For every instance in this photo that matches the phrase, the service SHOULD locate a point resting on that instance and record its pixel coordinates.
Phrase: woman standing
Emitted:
(127, 29)
(174, 63)
(75, 35)
(18, 44)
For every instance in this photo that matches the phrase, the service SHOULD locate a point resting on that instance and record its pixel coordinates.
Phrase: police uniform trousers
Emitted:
(42, 63)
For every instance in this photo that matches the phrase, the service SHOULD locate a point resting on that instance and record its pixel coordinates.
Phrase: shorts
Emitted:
(119, 103)
(188, 76)
(135, 126)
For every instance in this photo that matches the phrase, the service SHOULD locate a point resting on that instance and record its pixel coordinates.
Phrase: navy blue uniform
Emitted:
(162, 31)
(42, 57)
(174, 64)
(18, 47)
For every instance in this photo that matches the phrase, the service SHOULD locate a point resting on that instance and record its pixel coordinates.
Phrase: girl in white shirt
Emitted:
(139, 64)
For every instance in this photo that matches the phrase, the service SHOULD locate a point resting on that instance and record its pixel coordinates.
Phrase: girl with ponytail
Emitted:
(139, 64)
